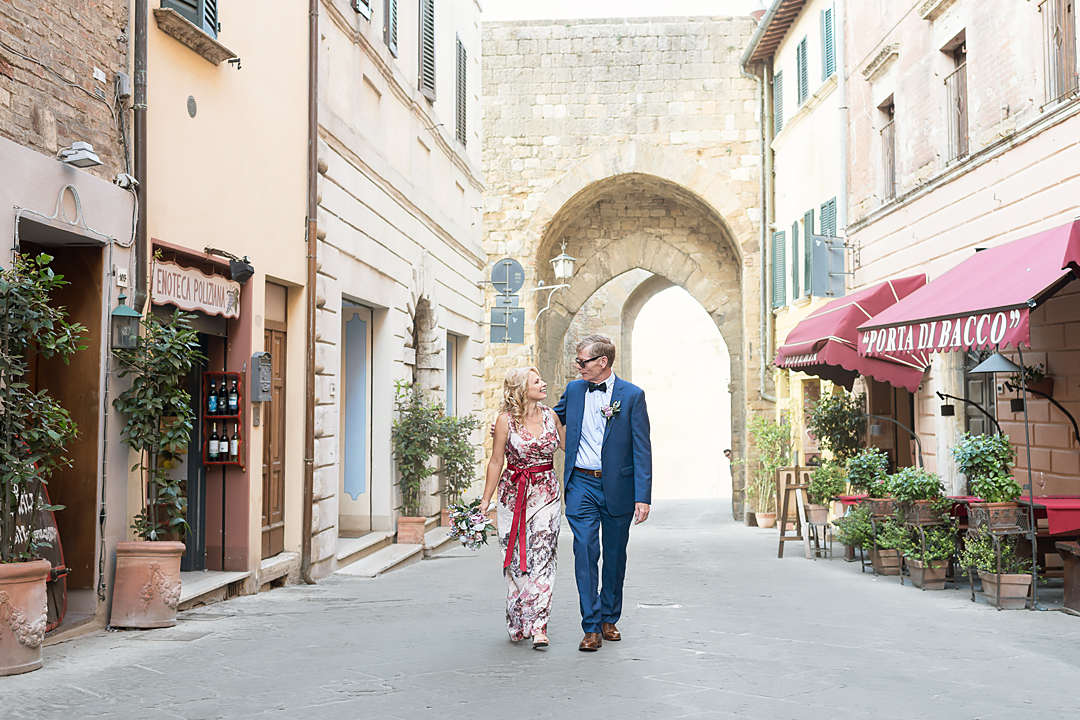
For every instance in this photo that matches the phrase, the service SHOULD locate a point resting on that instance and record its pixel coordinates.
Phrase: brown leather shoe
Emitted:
(610, 632)
(590, 643)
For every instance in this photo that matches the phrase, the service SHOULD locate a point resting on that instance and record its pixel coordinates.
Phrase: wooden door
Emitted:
(273, 474)
(979, 389)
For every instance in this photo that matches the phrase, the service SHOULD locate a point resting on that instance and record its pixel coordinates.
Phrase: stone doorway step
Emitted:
(202, 587)
(379, 556)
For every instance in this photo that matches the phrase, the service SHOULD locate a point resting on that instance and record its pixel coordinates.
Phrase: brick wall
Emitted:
(71, 37)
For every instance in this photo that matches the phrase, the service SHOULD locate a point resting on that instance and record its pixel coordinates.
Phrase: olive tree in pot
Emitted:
(826, 482)
(985, 460)
(34, 430)
(1006, 581)
(415, 438)
(158, 421)
(772, 444)
(458, 455)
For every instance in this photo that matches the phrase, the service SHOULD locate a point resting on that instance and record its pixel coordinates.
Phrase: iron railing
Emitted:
(888, 161)
(956, 104)
(1059, 48)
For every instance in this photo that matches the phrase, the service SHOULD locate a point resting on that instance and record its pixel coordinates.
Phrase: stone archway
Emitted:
(641, 295)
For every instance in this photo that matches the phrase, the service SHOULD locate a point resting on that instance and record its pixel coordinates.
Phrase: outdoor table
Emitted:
(1062, 512)
(849, 500)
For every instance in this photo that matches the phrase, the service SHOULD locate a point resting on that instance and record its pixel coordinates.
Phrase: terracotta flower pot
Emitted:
(1013, 588)
(410, 530)
(1044, 386)
(444, 518)
(765, 519)
(23, 615)
(995, 516)
(146, 589)
(817, 514)
(928, 576)
(881, 506)
(885, 562)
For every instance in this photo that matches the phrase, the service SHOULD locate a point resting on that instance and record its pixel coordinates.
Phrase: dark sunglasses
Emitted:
(582, 363)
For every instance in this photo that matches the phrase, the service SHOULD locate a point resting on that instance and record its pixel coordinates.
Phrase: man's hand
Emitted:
(641, 513)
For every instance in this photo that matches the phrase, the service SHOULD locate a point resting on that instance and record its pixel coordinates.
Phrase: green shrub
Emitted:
(826, 483)
(854, 528)
(772, 441)
(867, 470)
(893, 535)
(939, 543)
(981, 456)
(978, 553)
(912, 483)
(995, 488)
(837, 423)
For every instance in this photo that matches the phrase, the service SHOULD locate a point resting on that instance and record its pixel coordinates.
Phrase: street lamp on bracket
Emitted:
(563, 267)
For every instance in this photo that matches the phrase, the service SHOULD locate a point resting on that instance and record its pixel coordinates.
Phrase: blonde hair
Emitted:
(515, 392)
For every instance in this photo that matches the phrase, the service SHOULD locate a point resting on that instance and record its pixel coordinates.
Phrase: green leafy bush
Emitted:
(981, 456)
(995, 488)
(458, 454)
(826, 482)
(772, 441)
(978, 553)
(912, 483)
(837, 423)
(939, 543)
(854, 528)
(893, 535)
(415, 438)
(867, 471)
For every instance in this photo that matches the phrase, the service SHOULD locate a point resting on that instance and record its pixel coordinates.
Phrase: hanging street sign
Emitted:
(192, 289)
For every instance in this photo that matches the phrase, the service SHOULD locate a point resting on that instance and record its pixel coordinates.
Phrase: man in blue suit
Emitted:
(608, 480)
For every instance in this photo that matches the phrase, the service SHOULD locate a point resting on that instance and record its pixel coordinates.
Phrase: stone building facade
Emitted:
(636, 142)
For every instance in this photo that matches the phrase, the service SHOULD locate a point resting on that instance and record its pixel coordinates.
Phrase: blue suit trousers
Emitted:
(597, 533)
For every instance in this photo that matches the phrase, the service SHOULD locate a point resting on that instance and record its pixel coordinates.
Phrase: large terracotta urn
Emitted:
(146, 590)
(410, 530)
(23, 615)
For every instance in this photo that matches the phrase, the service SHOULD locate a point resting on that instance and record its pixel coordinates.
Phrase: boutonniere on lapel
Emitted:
(610, 411)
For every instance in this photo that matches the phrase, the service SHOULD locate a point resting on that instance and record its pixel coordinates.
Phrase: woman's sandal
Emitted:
(539, 641)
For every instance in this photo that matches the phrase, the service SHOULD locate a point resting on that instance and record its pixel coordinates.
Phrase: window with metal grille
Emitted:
(828, 44)
(803, 72)
(462, 89)
(363, 7)
(808, 250)
(390, 25)
(956, 104)
(828, 219)
(1059, 48)
(201, 13)
(778, 102)
(888, 151)
(779, 267)
(426, 81)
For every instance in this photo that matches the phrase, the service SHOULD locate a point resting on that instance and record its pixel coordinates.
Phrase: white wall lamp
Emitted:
(80, 154)
(563, 267)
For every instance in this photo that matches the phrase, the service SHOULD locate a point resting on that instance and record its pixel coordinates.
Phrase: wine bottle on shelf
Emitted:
(234, 444)
(212, 451)
(234, 398)
(211, 399)
(223, 400)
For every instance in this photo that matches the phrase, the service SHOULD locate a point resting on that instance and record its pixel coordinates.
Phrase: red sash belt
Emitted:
(521, 477)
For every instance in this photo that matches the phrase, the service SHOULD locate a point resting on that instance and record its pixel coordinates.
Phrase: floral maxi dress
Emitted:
(528, 592)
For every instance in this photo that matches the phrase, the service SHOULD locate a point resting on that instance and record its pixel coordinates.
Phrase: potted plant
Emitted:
(855, 530)
(158, 421)
(1035, 378)
(458, 456)
(826, 482)
(34, 431)
(415, 438)
(1006, 582)
(890, 540)
(837, 423)
(928, 559)
(772, 441)
(985, 461)
(867, 473)
(916, 490)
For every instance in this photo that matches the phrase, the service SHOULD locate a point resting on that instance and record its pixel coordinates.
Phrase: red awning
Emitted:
(984, 302)
(824, 344)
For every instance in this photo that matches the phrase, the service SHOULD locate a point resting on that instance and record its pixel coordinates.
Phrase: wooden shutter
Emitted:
(828, 218)
(363, 7)
(828, 44)
(200, 13)
(427, 49)
(390, 25)
(210, 17)
(779, 291)
(795, 259)
(778, 102)
(462, 89)
(808, 249)
(803, 79)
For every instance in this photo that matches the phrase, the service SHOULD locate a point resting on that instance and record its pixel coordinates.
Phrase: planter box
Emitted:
(885, 562)
(929, 576)
(23, 615)
(410, 530)
(881, 506)
(1012, 588)
(817, 514)
(920, 512)
(996, 516)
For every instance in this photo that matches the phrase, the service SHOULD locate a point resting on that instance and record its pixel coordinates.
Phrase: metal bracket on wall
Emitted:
(1055, 403)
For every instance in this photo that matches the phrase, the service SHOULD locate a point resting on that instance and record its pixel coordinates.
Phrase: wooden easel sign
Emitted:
(791, 486)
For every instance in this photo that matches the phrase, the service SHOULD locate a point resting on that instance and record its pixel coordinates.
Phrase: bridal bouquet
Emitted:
(469, 525)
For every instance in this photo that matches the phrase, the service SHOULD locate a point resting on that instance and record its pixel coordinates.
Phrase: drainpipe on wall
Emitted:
(312, 251)
(841, 81)
(139, 129)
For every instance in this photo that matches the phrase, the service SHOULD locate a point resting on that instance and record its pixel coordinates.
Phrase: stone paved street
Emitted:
(715, 627)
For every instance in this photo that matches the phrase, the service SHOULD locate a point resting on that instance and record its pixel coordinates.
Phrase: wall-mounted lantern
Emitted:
(125, 325)
(563, 265)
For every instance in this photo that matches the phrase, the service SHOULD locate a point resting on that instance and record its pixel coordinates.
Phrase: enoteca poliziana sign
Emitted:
(192, 289)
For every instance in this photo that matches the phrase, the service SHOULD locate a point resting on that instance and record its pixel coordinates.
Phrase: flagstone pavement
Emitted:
(714, 626)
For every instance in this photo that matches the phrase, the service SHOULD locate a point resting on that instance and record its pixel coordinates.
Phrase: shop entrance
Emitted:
(273, 468)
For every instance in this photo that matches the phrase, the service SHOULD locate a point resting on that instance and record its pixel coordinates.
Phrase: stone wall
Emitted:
(604, 133)
(71, 39)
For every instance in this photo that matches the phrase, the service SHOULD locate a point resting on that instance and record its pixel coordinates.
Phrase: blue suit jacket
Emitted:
(626, 456)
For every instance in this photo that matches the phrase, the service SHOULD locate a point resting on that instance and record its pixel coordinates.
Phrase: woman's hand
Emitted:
(484, 506)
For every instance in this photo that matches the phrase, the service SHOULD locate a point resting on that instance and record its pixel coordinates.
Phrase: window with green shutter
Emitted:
(778, 102)
(800, 66)
(795, 260)
(808, 250)
(201, 13)
(828, 218)
(390, 25)
(828, 44)
(462, 88)
(363, 7)
(426, 81)
(779, 291)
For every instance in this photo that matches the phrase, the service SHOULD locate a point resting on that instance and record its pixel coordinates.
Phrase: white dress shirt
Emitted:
(592, 426)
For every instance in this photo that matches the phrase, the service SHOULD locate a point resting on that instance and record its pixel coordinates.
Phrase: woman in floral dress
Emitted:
(527, 433)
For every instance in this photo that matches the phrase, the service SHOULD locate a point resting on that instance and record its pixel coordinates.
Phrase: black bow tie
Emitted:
(602, 387)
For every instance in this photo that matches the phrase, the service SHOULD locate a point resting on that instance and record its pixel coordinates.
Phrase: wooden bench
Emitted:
(1070, 554)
